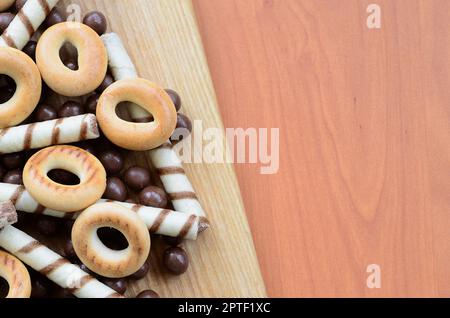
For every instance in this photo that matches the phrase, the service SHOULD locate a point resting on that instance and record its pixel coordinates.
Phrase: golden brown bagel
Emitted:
(6, 4)
(17, 276)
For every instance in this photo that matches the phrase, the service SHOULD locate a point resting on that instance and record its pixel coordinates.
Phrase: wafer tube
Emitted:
(52, 265)
(8, 214)
(52, 132)
(169, 166)
(158, 221)
(26, 22)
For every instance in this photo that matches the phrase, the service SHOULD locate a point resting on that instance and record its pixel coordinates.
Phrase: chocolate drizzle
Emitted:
(29, 247)
(28, 136)
(26, 22)
(45, 7)
(159, 220)
(187, 226)
(47, 270)
(182, 195)
(8, 40)
(170, 170)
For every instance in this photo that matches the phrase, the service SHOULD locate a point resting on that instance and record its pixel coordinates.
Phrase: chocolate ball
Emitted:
(148, 294)
(56, 16)
(71, 64)
(70, 109)
(13, 161)
(154, 197)
(119, 285)
(112, 160)
(172, 241)
(13, 177)
(67, 226)
(97, 21)
(63, 177)
(39, 287)
(69, 251)
(45, 112)
(30, 49)
(115, 189)
(107, 81)
(175, 98)
(137, 178)
(5, 20)
(2, 172)
(85, 269)
(47, 225)
(91, 103)
(87, 145)
(176, 260)
(20, 4)
(183, 129)
(142, 272)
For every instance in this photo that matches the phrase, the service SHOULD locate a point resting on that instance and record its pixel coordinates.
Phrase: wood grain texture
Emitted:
(364, 117)
(163, 41)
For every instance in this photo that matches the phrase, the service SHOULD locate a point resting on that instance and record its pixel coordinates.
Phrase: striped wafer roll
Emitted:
(158, 221)
(26, 22)
(52, 265)
(169, 166)
(52, 132)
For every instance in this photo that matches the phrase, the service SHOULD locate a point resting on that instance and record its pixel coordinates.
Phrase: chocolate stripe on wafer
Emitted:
(182, 195)
(170, 170)
(28, 26)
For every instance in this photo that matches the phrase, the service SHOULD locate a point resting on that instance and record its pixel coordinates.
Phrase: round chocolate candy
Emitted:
(47, 226)
(85, 269)
(71, 64)
(91, 103)
(97, 21)
(107, 81)
(55, 16)
(70, 109)
(5, 20)
(115, 190)
(142, 272)
(112, 161)
(183, 129)
(2, 172)
(13, 177)
(172, 241)
(176, 260)
(13, 161)
(20, 4)
(175, 98)
(45, 112)
(30, 49)
(69, 251)
(148, 294)
(119, 285)
(39, 287)
(137, 178)
(154, 197)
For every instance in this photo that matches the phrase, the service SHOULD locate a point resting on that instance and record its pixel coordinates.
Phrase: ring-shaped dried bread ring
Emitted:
(21, 68)
(92, 59)
(60, 197)
(16, 275)
(6, 4)
(100, 258)
(137, 136)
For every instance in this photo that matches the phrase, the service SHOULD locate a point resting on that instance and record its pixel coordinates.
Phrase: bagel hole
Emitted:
(4, 288)
(112, 238)
(122, 111)
(68, 54)
(7, 88)
(63, 177)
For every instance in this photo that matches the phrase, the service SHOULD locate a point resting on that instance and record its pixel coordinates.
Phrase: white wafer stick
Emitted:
(52, 132)
(158, 221)
(26, 22)
(169, 166)
(52, 265)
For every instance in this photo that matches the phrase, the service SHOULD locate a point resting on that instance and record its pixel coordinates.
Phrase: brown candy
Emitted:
(172, 241)
(5, 20)
(71, 64)
(137, 178)
(55, 16)
(2, 172)
(183, 129)
(70, 109)
(30, 49)
(154, 197)
(142, 272)
(115, 189)
(107, 81)
(176, 260)
(13, 177)
(13, 161)
(175, 98)
(97, 21)
(148, 294)
(91, 103)
(20, 4)
(45, 112)
(39, 287)
(112, 160)
(47, 226)
(69, 251)
(119, 285)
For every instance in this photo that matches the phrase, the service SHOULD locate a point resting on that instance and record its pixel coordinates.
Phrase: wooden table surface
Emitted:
(364, 117)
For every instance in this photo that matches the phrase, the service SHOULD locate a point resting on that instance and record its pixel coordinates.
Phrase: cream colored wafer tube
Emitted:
(26, 22)
(169, 166)
(52, 265)
(158, 221)
(47, 133)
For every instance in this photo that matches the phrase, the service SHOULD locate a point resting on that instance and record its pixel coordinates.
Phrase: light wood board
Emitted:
(163, 41)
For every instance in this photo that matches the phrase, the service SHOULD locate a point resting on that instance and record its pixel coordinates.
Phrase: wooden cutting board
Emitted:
(163, 41)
